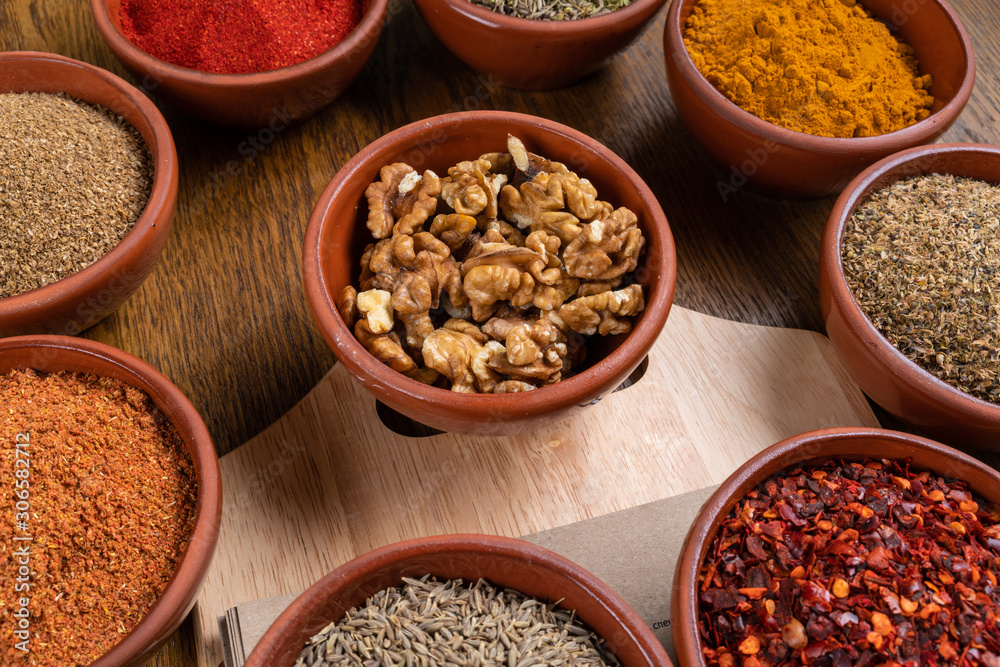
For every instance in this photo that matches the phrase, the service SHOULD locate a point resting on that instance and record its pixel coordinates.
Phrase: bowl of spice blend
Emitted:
(498, 289)
(909, 287)
(849, 546)
(452, 598)
(795, 97)
(244, 63)
(89, 185)
(113, 498)
(537, 44)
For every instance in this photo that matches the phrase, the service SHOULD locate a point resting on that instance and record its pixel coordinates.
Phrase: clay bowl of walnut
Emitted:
(845, 546)
(489, 272)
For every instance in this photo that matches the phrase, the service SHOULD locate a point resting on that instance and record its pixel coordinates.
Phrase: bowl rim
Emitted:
(521, 405)
(896, 362)
(634, 12)
(310, 600)
(676, 53)
(367, 30)
(185, 583)
(801, 448)
(156, 218)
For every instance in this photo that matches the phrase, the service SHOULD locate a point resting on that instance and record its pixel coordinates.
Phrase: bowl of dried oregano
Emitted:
(489, 272)
(537, 44)
(795, 97)
(459, 600)
(910, 289)
(89, 175)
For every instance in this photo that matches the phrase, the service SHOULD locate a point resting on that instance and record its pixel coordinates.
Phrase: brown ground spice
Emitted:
(74, 178)
(112, 509)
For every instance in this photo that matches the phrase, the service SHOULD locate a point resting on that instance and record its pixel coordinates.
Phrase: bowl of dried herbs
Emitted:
(537, 44)
(462, 600)
(910, 289)
(89, 175)
(847, 546)
(113, 499)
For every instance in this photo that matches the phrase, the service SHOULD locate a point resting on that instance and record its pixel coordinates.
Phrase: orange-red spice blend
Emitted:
(110, 510)
(238, 36)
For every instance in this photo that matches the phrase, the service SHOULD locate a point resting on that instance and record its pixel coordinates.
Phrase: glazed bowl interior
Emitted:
(283, 96)
(847, 444)
(337, 236)
(504, 562)
(81, 299)
(804, 165)
(49, 354)
(884, 373)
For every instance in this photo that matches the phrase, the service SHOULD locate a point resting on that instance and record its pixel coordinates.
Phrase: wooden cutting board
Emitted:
(329, 481)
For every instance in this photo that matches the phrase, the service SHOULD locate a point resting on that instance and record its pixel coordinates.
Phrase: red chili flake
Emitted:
(854, 564)
(109, 507)
(238, 36)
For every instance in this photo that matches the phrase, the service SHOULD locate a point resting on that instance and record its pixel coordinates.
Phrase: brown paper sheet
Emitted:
(642, 573)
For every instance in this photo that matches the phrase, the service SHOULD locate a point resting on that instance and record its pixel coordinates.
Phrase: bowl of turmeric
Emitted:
(796, 98)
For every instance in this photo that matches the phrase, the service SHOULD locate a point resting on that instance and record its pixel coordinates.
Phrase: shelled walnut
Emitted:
(489, 279)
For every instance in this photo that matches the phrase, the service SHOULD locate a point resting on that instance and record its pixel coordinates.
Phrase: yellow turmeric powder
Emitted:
(822, 67)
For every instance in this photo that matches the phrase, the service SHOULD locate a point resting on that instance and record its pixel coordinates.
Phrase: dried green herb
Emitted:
(430, 622)
(552, 10)
(74, 178)
(922, 258)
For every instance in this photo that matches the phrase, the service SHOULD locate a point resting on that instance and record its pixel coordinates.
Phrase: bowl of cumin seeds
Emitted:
(459, 599)
(910, 289)
(88, 187)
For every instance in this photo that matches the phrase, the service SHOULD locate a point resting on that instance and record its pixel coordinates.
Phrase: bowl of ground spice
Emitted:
(88, 174)
(841, 547)
(795, 97)
(537, 44)
(112, 504)
(250, 64)
(472, 282)
(463, 600)
(909, 283)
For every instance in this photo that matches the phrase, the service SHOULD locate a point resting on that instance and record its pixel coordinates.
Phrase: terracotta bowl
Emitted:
(82, 299)
(62, 353)
(502, 561)
(272, 100)
(533, 54)
(336, 237)
(884, 373)
(773, 160)
(849, 444)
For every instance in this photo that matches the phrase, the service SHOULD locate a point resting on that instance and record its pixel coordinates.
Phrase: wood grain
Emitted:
(224, 315)
(329, 481)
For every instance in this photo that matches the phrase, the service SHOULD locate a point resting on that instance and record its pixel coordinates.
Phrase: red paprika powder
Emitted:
(98, 503)
(238, 36)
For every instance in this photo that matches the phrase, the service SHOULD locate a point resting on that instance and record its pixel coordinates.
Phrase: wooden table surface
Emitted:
(224, 314)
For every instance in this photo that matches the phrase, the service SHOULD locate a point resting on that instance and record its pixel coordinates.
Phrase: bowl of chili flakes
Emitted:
(854, 546)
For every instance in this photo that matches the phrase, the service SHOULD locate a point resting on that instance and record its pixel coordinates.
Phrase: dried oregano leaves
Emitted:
(922, 258)
(427, 622)
(74, 178)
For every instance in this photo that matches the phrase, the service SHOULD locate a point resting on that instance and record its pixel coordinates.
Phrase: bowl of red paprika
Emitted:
(246, 64)
(856, 546)
(120, 497)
